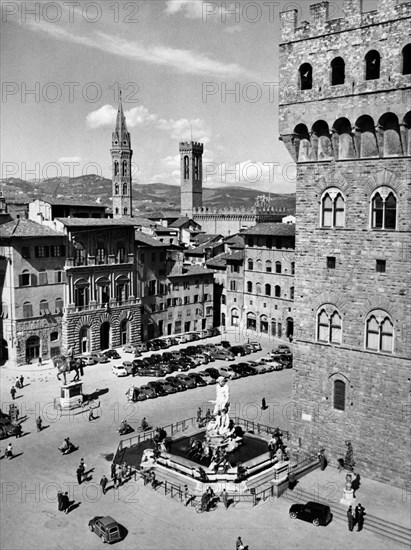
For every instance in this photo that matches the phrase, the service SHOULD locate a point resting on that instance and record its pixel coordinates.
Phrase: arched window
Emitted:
(389, 133)
(251, 321)
(268, 266)
(277, 291)
(406, 59)
(333, 208)
(301, 143)
(372, 65)
(379, 332)
(186, 168)
(259, 265)
(124, 168)
(305, 76)
(337, 71)
(234, 318)
(125, 211)
(117, 210)
(25, 278)
(268, 290)
(339, 395)
(27, 310)
(383, 209)
(250, 265)
(292, 293)
(116, 189)
(278, 267)
(342, 139)
(258, 288)
(43, 279)
(264, 324)
(124, 188)
(58, 305)
(292, 268)
(196, 170)
(249, 286)
(115, 168)
(329, 327)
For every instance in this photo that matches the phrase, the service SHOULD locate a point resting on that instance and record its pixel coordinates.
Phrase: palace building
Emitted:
(345, 118)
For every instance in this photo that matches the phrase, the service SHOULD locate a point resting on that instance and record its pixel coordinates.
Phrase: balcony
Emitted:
(92, 306)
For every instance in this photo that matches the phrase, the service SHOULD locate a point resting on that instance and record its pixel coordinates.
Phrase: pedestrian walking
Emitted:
(82, 467)
(66, 503)
(224, 498)
(40, 362)
(17, 382)
(39, 423)
(359, 516)
(9, 451)
(103, 484)
(113, 470)
(263, 404)
(21, 381)
(116, 481)
(18, 431)
(91, 415)
(13, 392)
(199, 414)
(79, 473)
(350, 518)
(59, 501)
(153, 479)
(186, 495)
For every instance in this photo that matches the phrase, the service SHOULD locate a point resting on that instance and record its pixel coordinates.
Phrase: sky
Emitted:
(206, 71)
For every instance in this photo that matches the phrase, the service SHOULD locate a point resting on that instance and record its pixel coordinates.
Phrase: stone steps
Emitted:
(379, 526)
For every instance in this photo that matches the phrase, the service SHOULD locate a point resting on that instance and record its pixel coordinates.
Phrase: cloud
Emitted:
(183, 128)
(233, 29)
(107, 114)
(182, 61)
(69, 159)
(193, 9)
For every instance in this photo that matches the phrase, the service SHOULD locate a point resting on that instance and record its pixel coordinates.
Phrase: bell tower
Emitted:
(121, 154)
(191, 153)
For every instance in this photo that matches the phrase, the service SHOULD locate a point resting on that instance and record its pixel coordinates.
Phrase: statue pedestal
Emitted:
(348, 499)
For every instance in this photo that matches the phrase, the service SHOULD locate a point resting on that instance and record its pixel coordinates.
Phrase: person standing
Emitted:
(350, 518)
(40, 361)
(263, 404)
(59, 501)
(66, 503)
(18, 431)
(103, 484)
(17, 382)
(21, 381)
(39, 423)
(359, 516)
(224, 498)
(113, 470)
(116, 481)
(79, 473)
(186, 495)
(9, 451)
(13, 392)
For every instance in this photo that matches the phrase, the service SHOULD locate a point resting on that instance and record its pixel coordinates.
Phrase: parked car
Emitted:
(154, 345)
(178, 366)
(142, 346)
(205, 350)
(157, 387)
(119, 370)
(129, 348)
(224, 354)
(168, 387)
(137, 353)
(189, 382)
(208, 379)
(282, 349)
(259, 366)
(178, 384)
(287, 362)
(89, 360)
(199, 380)
(256, 346)
(129, 366)
(180, 339)
(240, 370)
(212, 372)
(7, 427)
(149, 371)
(228, 372)
(112, 354)
(138, 395)
(274, 365)
(173, 341)
(313, 512)
(248, 348)
(246, 368)
(149, 392)
(189, 350)
(225, 344)
(106, 528)
(202, 357)
(238, 351)
(215, 331)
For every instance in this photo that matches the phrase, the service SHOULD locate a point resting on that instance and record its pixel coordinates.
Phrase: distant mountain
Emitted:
(146, 197)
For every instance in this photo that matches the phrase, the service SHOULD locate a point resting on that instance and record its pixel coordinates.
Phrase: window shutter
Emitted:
(339, 395)
(20, 280)
(33, 279)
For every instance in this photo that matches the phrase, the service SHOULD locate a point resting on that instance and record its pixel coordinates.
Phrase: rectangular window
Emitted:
(27, 310)
(209, 310)
(330, 262)
(196, 298)
(151, 288)
(177, 326)
(380, 266)
(161, 306)
(232, 285)
(339, 395)
(235, 269)
(44, 306)
(25, 279)
(25, 252)
(43, 278)
(56, 251)
(41, 251)
(168, 302)
(175, 286)
(58, 276)
(101, 256)
(186, 285)
(186, 299)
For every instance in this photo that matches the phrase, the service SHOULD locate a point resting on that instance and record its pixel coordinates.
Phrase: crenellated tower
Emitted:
(345, 119)
(121, 154)
(191, 164)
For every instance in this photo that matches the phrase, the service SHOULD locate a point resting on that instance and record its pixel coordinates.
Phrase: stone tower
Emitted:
(191, 164)
(345, 118)
(121, 154)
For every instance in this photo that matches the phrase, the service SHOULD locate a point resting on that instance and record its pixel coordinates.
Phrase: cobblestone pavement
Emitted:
(152, 520)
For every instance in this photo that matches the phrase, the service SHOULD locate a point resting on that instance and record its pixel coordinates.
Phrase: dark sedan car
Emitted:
(313, 512)
(157, 387)
(238, 350)
(176, 383)
(168, 387)
(178, 366)
(197, 379)
(212, 372)
(225, 343)
(189, 382)
(149, 371)
(112, 354)
(246, 368)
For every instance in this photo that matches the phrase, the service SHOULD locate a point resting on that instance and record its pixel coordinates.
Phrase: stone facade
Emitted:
(191, 154)
(350, 138)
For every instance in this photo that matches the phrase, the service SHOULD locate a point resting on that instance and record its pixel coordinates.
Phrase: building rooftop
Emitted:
(206, 237)
(26, 228)
(235, 241)
(179, 222)
(271, 229)
(148, 240)
(179, 271)
(98, 222)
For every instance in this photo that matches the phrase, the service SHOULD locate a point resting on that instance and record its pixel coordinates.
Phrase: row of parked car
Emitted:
(183, 381)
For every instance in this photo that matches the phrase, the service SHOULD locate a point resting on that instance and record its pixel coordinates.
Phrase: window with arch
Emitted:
(268, 290)
(332, 208)
(379, 332)
(337, 71)
(259, 265)
(27, 310)
(125, 211)
(116, 172)
(406, 59)
(196, 168)
(124, 188)
(235, 320)
(43, 279)
(250, 265)
(25, 278)
(44, 307)
(372, 65)
(264, 324)
(258, 288)
(383, 209)
(305, 76)
(278, 267)
(249, 286)
(291, 293)
(117, 210)
(277, 291)
(268, 267)
(292, 268)
(186, 167)
(58, 305)
(339, 395)
(329, 326)
(124, 171)
(116, 189)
